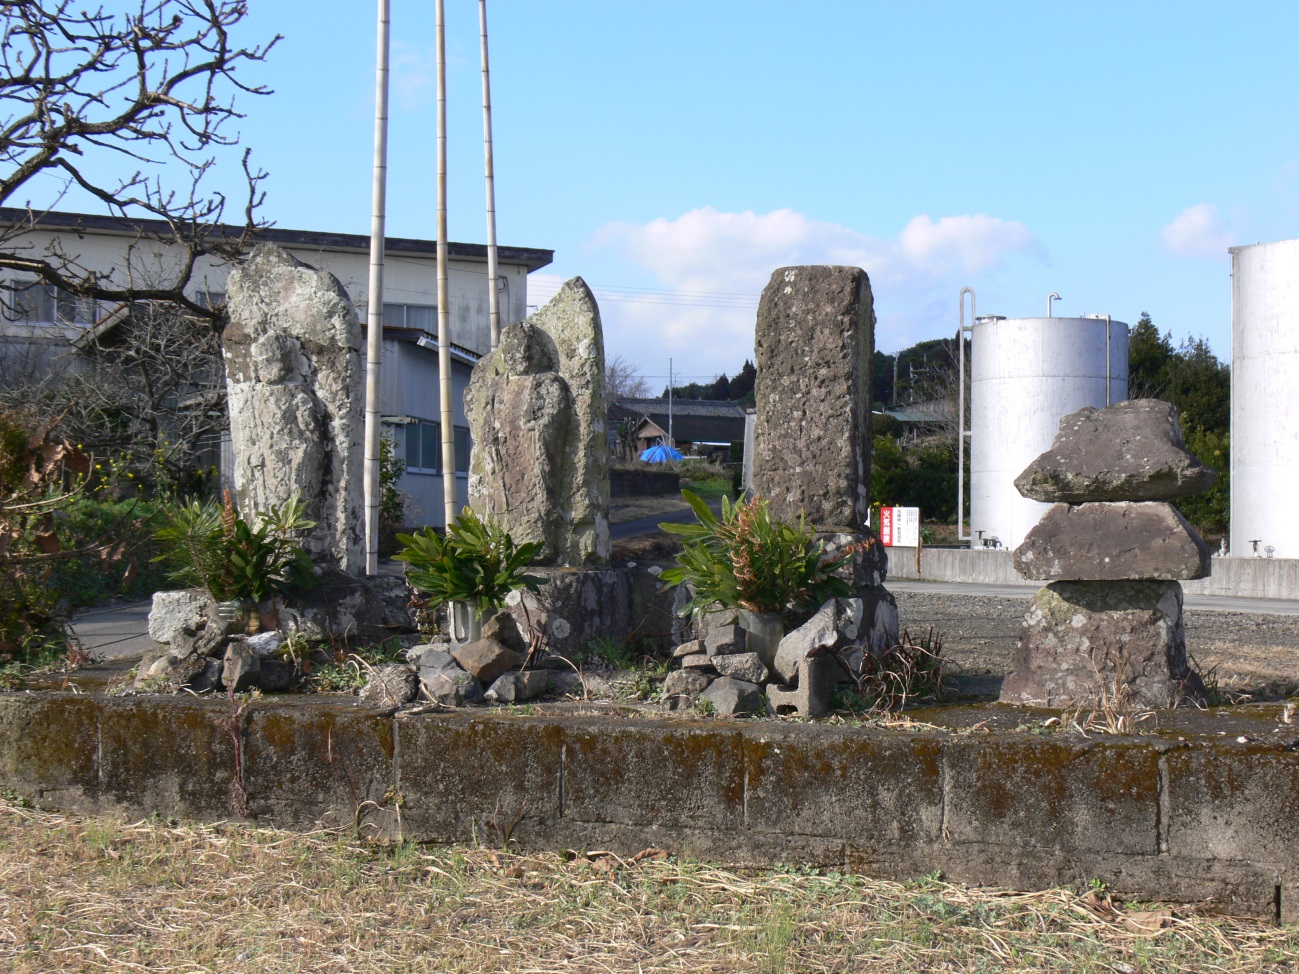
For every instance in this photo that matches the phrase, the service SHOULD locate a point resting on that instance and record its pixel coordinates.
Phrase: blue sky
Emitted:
(675, 153)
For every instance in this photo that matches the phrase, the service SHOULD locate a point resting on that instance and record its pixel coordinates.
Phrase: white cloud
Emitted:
(914, 276)
(1198, 231)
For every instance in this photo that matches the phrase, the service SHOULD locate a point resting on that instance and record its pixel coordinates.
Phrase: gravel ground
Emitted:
(1249, 652)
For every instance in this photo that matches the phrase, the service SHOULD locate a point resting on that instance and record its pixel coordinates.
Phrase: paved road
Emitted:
(1215, 603)
(648, 525)
(117, 631)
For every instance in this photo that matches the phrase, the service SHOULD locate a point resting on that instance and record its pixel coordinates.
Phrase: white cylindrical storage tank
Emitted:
(1026, 374)
(1265, 398)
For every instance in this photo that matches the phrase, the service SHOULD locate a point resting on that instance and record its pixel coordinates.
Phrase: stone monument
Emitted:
(1113, 551)
(537, 416)
(536, 412)
(293, 374)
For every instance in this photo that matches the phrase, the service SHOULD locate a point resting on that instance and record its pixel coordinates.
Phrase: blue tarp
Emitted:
(660, 454)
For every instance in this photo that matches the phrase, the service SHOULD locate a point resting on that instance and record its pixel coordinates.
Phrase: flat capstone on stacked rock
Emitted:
(1113, 550)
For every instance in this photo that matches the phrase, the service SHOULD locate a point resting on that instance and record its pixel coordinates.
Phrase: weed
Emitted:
(704, 706)
(907, 670)
(609, 653)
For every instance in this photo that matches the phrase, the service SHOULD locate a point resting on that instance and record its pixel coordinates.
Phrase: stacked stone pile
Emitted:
(486, 671)
(797, 677)
(1113, 551)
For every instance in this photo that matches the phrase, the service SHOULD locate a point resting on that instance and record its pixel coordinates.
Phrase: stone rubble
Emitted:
(1107, 628)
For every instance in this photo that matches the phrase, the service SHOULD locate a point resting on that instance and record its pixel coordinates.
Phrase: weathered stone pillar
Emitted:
(1108, 626)
(814, 342)
(293, 375)
(537, 415)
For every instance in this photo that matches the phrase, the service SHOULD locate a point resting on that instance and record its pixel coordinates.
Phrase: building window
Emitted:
(422, 316)
(463, 446)
(208, 299)
(33, 302)
(423, 447)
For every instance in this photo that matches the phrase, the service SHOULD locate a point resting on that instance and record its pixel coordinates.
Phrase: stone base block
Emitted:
(811, 697)
(1103, 643)
(575, 607)
(343, 607)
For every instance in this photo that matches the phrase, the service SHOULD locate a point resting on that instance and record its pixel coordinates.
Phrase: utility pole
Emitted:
(444, 301)
(374, 319)
(493, 295)
(671, 442)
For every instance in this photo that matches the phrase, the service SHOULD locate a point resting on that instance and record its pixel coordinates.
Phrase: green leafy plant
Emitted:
(476, 562)
(212, 546)
(747, 559)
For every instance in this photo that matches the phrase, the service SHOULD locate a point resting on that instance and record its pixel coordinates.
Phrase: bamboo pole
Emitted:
(374, 318)
(444, 301)
(493, 294)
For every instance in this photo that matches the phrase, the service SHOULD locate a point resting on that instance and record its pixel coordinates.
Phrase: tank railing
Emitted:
(962, 432)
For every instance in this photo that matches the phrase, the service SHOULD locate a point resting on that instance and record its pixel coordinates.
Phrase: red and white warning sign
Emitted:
(900, 526)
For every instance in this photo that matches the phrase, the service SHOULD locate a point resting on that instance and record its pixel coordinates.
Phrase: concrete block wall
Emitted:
(1154, 817)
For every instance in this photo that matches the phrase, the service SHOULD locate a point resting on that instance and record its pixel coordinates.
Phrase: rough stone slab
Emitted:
(266, 643)
(742, 666)
(536, 410)
(467, 776)
(1113, 541)
(1066, 796)
(501, 626)
(174, 610)
(1130, 451)
(441, 689)
(531, 683)
(682, 687)
(697, 661)
(344, 609)
(1082, 643)
(691, 647)
(731, 697)
(814, 341)
(293, 377)
(49, 748)
(390, 685)
(178, 759)
(697, 776)
(486, 659)
(301, 769)
(1237, 803)
(835, 625)
(724, 640)
(845, 783)
(811, 696)
(240, 668)
(574, 609)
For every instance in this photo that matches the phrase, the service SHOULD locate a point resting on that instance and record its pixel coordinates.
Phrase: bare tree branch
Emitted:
(155, 86)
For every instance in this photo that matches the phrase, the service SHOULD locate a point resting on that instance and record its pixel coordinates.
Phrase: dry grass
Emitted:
(96, 895)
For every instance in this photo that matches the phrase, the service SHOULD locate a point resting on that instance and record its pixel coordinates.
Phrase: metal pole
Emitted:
(960, 413)
(374, 318)
(493, 297)
(444, 301)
